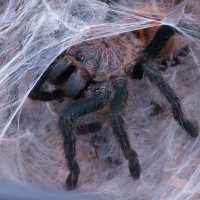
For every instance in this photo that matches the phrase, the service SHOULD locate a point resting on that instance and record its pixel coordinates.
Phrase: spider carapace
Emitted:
(94, 73)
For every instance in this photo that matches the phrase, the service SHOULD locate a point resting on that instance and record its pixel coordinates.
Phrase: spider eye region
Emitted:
(79, 57)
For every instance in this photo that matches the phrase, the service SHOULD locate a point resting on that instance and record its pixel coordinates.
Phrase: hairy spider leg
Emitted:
(95, 101)
(162, 36)
(144, 66)
(117, 105)
(155, 77)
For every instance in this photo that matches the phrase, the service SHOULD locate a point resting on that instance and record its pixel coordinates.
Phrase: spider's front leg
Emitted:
(117, 105)
(145, 66)
(94, 100)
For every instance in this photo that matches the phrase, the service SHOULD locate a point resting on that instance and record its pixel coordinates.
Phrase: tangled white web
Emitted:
(32, 34)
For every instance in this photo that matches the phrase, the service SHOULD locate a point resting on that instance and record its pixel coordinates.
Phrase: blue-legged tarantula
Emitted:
(94, 74)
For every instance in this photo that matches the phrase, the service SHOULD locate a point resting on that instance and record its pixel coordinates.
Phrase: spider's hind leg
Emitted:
(151, 51)
(155, 77)
(117, 105)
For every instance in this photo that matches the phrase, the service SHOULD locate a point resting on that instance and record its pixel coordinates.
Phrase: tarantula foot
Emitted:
(134, 168)
(190, 129)
(71, 181)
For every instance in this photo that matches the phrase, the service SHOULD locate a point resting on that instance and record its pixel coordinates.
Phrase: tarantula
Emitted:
(94, 74)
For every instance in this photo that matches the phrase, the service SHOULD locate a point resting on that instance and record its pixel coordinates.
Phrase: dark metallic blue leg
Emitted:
(94, 101)
(117, 105)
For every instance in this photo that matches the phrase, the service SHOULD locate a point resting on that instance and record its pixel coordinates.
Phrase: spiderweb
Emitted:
(32, 34)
